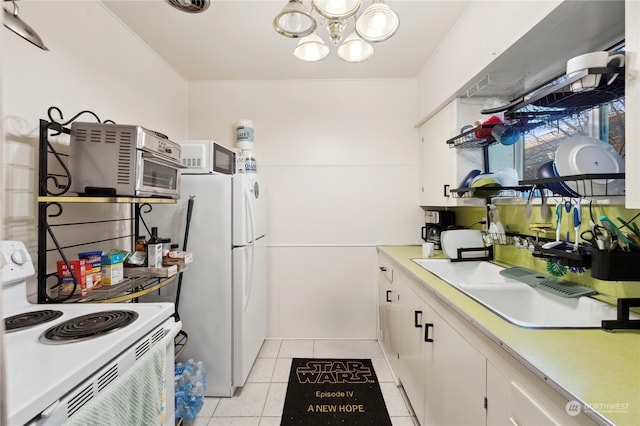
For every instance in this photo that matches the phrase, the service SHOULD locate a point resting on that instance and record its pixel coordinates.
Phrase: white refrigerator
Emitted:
(223, 297)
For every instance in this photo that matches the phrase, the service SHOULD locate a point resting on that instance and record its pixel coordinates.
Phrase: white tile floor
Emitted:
(261, 400)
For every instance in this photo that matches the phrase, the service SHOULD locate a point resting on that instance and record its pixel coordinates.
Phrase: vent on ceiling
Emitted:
(191, 6)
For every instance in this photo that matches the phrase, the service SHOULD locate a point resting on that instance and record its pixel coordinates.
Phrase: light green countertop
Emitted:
(597, 367)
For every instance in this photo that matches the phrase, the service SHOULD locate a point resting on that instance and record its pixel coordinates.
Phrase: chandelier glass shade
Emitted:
(376, 23)
(336, 9)
(355, 49)
(311, 49)
(294, 20)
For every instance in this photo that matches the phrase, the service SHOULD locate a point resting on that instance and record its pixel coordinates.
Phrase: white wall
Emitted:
(341, 163)
(340, 156)
(93, 63)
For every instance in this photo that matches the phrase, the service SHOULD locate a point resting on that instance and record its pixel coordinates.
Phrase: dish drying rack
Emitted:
(540, 107)
(584, 184)
(489, 192)
(488, 254)
(468, 139)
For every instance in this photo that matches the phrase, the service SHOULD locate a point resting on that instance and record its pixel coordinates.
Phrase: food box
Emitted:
(96, 279)
(112, 258)
(112, 268)
(167, 271)
(154, 255)
(181, 258)
(78, 267)
(66, 287)
(93, 259)
(112, 274)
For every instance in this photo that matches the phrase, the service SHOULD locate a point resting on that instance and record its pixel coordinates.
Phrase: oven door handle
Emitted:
(173, 331)
(162, 159)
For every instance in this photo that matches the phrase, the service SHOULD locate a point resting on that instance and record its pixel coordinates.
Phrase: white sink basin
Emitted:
(517, 302)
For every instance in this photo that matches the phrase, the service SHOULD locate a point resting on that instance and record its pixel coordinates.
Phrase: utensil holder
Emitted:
(615, 265)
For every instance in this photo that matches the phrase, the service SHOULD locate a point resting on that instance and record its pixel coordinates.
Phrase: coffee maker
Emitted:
(437, 221)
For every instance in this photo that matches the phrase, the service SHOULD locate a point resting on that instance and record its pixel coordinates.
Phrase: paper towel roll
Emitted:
(249, 162)
(244, 134)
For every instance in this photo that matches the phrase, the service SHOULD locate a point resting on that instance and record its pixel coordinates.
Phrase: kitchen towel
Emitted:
(332, 392)
(135, 398)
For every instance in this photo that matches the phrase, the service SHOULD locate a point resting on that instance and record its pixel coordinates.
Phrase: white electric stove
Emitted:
(48, 381)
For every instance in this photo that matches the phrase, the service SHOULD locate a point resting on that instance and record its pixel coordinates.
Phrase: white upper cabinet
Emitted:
(632, 91)
(548, 34)
(443, 168)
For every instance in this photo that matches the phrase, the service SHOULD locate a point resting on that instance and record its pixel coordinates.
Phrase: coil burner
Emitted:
(88, 326)
(29, 319)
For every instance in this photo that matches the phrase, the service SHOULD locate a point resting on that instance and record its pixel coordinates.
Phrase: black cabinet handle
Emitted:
(389, 296)
(427, 326)
(383, 269)
(446, 190)
(416, 321)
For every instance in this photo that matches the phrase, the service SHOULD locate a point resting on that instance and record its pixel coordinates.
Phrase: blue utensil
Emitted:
(577, 221)
(567, 206)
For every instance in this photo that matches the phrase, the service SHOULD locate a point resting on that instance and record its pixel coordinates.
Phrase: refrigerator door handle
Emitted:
(249, 265)
(252, 223)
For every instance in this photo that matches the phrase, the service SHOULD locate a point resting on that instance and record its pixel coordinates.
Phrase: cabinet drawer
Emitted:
(386, 271)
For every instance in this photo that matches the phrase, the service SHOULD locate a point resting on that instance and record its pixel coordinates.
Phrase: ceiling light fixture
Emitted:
(376, 23)
(190, 6)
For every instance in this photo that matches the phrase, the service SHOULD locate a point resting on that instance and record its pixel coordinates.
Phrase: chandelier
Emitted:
(376, 23)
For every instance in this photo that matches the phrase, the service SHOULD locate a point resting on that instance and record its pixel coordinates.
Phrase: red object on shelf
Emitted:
(485, 133)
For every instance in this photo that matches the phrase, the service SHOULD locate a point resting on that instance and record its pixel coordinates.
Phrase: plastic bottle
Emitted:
(190, 386)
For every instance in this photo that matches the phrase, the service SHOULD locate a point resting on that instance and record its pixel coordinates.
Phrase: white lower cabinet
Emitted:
(452, 373)
(385, 293)
(434, 361)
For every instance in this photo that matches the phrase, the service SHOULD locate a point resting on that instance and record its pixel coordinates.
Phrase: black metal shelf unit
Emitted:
(53, 194)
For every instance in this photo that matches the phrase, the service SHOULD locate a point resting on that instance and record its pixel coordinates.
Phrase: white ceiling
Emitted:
(235, 40)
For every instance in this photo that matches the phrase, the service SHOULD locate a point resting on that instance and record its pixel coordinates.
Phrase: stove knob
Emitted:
(19, 257)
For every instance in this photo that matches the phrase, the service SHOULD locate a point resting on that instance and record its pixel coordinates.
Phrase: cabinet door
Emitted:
(632, 104)
(438, 160)
(442, 167)
(412, 361)
(456, 382)
(498, 390)
(534, 402)
(439, 370)
(385, 294)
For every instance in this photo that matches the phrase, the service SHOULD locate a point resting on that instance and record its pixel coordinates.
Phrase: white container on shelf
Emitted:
(249, 162)
(244, 134)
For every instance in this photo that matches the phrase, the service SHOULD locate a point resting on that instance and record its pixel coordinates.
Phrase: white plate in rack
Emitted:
(454, 239)
(581, 155)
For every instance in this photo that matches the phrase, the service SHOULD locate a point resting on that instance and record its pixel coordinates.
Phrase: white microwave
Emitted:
(207, 157)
